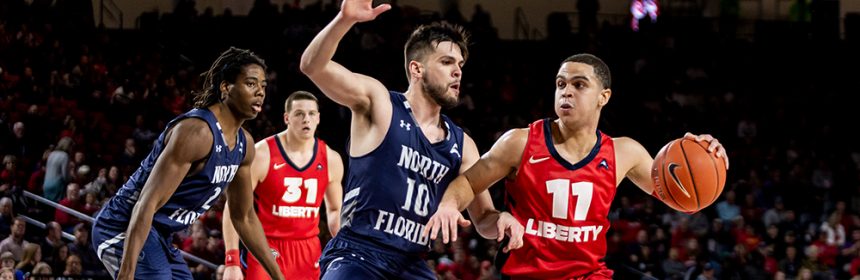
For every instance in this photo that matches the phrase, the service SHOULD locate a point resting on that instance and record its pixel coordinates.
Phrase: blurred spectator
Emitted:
(32, 256)
(57, 170)
(6, 216)
(41, 272)
(15, 242)
(73, 201)
(53, 241)
(83, 250)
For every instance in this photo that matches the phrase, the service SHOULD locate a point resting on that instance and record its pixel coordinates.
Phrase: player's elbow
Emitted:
(309, 66)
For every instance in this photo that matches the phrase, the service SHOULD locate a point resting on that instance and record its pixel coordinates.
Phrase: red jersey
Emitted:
(288, 200)
(563, 207)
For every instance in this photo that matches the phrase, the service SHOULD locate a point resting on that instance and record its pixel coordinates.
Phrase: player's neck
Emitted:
(230, 123)
(425, 110)
(293, 143)
(575, 138)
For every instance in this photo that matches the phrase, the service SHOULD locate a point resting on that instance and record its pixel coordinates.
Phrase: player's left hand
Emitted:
(715, 145)
(508, 225)
(446, 219)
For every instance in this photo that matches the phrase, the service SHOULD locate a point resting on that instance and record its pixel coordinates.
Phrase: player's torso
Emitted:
(563, 207)
(288, 200)
(196, 193)
(392, 191)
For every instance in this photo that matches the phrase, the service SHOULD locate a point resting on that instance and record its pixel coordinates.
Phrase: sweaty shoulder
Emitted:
(190, 138)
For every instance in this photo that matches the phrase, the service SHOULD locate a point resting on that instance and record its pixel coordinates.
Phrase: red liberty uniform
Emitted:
(563, 207)
(288, 202)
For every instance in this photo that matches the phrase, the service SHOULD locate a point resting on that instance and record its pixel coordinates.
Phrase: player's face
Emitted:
(443, 67)
(579, 94)
(303, 118)
(247, 93)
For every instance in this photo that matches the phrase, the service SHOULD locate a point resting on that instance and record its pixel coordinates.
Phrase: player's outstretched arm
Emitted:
(188, 141)
(240, 198)
(350, 89)
(259, 170)
(334, 191)
(502, 159)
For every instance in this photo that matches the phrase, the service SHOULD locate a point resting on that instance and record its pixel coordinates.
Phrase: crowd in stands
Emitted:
(81, 105)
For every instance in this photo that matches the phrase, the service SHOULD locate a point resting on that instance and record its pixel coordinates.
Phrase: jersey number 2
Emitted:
(561, 194)
(294, 190)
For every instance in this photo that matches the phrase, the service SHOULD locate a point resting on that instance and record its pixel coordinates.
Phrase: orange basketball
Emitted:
(686, 176)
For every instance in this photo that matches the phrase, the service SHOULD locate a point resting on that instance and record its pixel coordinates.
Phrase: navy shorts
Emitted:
(158, 258)
(347, 257)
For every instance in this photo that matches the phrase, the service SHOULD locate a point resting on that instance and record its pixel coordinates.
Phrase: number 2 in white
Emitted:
(561, 198)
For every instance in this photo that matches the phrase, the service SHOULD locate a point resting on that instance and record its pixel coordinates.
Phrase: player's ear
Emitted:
(605, 94)
(224, 90)
(286, 118)
(416, 69)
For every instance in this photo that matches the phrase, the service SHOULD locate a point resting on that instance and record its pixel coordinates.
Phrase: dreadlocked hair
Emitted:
(227, 67)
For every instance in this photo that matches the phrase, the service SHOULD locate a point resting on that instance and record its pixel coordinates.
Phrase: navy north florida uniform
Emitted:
(158, 258)
(390, 195)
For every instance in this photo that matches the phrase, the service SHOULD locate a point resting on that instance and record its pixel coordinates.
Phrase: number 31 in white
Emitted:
(561, 195)
(294, 191)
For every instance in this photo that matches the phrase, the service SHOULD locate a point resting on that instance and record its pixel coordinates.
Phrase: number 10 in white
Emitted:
(561, 195)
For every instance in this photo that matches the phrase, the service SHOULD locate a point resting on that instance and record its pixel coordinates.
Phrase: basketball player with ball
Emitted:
(561, 176)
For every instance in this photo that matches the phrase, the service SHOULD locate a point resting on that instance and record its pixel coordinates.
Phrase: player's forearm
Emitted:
(459, 194)
(333, 217)
(251, 231)
(231, 238)
(322, 48)
(136, 234)
(485, 224)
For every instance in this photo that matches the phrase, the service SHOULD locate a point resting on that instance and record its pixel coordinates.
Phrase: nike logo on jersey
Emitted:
(533, 160)
(279, 165)
(672, 167)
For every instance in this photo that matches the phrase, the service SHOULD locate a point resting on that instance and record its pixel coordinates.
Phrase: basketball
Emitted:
(686, 176)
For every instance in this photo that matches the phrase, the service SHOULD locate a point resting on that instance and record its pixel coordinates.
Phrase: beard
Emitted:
(438, 94)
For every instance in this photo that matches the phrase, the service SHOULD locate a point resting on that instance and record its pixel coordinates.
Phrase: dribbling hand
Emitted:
(446, 219)
(233, 273)
(361, 10)
(715, 145)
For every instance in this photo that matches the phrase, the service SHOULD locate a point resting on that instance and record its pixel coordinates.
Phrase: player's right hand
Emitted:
(361, 10)
(233, 273)
(446, 219)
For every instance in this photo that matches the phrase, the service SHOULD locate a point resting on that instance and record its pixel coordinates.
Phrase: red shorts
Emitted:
(298, 259)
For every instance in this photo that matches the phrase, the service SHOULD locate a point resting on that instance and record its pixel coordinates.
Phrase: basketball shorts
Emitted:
(348, 257)
(298, 259)
(158, 259)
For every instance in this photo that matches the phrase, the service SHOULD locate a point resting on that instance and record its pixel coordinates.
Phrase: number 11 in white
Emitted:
(561, 198)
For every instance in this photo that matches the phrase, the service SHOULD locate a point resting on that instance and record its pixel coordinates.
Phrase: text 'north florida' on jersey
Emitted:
(195, 194)
(391, 192)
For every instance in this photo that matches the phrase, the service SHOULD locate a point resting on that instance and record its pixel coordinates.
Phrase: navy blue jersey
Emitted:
(392, 191)
(195, 193)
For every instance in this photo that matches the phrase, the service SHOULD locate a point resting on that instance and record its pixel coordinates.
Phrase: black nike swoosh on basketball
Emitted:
(672, 167)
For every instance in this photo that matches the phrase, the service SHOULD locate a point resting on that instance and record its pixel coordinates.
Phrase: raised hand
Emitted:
(361, 10)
